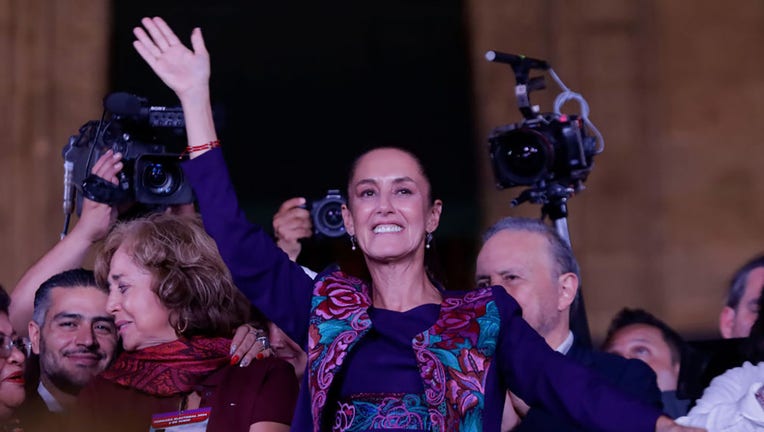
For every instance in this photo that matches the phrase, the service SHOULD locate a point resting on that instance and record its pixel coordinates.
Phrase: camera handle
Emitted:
(557, 211)
(522, 66)
(554, 205)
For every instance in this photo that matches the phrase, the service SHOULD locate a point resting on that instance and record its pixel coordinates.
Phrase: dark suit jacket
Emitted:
(34, 414)
(634, 377)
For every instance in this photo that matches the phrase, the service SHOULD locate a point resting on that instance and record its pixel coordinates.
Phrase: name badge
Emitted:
(194, 420)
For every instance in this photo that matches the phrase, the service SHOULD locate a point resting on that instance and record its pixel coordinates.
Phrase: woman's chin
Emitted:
(129, 344)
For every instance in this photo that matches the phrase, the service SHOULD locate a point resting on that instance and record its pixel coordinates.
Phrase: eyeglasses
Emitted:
(7, 344)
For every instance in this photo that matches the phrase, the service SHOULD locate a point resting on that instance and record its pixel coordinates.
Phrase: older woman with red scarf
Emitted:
(175, 307)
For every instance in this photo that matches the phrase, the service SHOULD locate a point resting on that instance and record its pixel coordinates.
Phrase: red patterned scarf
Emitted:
(170, 368)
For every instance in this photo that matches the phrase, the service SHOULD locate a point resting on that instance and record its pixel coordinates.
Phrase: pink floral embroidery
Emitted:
(431, 370)
(341, 312)
(452, 348)
(452, 364)
(344, 418)
(341, 300)
(469, 382)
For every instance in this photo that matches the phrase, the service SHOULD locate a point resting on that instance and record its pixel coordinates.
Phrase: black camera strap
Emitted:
(103, 191)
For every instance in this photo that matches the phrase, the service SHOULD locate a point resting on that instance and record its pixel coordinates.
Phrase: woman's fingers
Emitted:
(107, 166)
(159, 38)
(166, 32)
(197, 42)
(146, 44)
(249, 344)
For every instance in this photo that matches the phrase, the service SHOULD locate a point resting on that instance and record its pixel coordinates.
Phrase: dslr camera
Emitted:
(550, 152)
(326, 214)
(151, 140)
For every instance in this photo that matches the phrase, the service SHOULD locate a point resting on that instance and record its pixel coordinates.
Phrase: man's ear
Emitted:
(34, 336)
(568, 287)
(727, 322)
(347, 217)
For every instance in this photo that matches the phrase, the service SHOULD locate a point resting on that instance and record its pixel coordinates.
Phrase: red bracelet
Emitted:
(200, 147)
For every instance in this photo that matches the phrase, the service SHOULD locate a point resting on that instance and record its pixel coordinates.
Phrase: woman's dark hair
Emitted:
(190, 278)
(417, 159)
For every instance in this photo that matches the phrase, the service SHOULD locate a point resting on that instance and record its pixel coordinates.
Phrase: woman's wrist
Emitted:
(193, 151)
(194, 96)
(200, 127)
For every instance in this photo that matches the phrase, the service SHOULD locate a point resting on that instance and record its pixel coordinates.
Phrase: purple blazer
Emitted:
(521, 359)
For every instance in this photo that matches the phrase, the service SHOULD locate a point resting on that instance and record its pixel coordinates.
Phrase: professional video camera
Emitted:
(151, 140)
(551, 152)
(326, 214)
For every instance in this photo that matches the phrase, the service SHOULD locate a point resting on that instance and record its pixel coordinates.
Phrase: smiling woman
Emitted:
(176, 308)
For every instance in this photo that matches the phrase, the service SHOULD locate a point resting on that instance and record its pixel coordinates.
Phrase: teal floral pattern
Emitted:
(339, 319)
(382, 411)
(453, 357)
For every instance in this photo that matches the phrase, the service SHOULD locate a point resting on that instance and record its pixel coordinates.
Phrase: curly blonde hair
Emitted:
(189, 276)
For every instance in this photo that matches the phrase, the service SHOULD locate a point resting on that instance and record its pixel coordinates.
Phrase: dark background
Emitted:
(303, 88)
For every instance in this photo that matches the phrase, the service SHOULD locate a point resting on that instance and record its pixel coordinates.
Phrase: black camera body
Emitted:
(550, 147)
(326, 214)
(551, 153)
(151, 140)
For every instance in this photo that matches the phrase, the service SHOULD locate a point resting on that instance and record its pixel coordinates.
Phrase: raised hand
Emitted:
(184, 70)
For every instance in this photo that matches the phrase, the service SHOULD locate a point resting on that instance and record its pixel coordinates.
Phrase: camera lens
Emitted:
(327, 215)
(160, 179)
(331, 216)
(522, 156)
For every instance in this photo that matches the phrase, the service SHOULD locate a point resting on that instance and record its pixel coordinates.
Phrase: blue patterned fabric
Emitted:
(370, 412)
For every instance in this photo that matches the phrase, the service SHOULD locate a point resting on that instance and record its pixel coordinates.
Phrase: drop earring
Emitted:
(352, 242)
(427, 240)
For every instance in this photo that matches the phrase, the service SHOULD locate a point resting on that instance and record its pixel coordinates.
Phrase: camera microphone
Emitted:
(125, 104)
(516, 60)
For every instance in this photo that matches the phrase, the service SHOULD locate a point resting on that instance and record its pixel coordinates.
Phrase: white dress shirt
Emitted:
(50, 401)
(729, 403)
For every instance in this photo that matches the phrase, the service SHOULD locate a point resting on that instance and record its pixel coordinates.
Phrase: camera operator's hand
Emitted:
(96, 218)
(291, 223)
